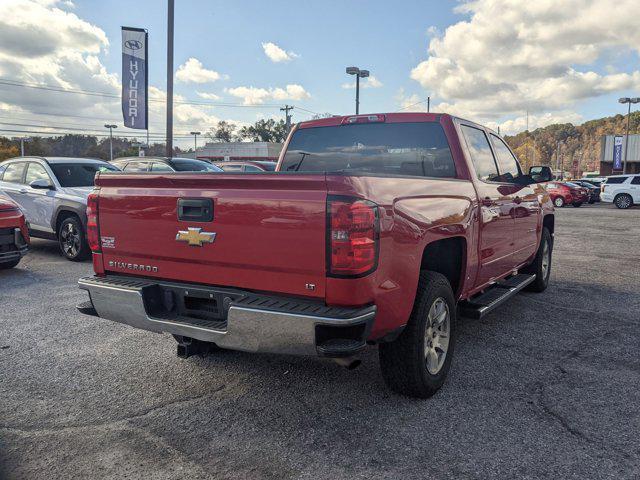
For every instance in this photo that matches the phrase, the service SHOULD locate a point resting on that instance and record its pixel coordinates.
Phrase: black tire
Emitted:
(10, 264)
(72, 240)
(623, 201)
(404, 361)
(577, 204)
(536, 267)
(592, 201)
(558, 202)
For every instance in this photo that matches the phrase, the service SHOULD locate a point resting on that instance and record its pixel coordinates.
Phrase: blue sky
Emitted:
(226, 36)
(488, 60)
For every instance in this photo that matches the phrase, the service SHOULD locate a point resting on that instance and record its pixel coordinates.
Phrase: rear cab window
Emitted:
(407, 149)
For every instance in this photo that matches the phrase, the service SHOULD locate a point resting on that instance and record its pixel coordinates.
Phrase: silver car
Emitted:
(52, 192)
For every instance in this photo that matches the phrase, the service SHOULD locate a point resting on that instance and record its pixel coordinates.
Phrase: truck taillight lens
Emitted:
(93, 234)
(352, 237)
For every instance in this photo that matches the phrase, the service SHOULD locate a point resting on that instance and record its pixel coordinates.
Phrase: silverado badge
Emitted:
(195, 236)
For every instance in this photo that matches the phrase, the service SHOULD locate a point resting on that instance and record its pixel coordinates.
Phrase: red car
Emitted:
(563, 193)
(14, 236)
(375, 229)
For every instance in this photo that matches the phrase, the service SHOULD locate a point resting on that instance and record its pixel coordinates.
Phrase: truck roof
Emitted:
(397, 117)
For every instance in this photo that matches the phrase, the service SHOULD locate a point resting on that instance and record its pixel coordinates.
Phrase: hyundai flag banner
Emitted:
(134, 78)
(617, 153)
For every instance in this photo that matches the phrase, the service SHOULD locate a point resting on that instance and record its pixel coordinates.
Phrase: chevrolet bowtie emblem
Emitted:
(195, 236)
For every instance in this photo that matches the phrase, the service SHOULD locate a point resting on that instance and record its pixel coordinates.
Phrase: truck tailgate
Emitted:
(269, 229)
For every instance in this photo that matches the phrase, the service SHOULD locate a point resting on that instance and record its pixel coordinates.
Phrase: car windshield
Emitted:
(407, 149)
(188, 165)
(79, 174)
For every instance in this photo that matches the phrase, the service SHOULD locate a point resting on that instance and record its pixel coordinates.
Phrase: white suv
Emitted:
(622, 190)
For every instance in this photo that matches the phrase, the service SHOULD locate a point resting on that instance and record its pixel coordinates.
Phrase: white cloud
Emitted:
(41, 43)
(277, 54)
(368, 82)
(208, 96)
(511, 56)
(192, 71)
(257, 96)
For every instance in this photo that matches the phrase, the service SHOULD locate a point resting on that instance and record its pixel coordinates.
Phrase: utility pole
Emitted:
(286, 109)
(170, 12)
(626, 143)
(110, 127)
(195, 143)
(428, 104)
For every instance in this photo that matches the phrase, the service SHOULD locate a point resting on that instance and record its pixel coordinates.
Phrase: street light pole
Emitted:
(628, 100)
(195, 143)
(110, 127)
(170, 10)
(359, 74)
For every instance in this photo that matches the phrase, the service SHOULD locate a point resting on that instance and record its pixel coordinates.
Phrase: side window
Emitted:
(160, 167)
(251, 168)
(481, 154)
(616, 180)
(635, 181)
(13, 173)
(35, 171)
(507, 163)
(136, 167)
(231, 168)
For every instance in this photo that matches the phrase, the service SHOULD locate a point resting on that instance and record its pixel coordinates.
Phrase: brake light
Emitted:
(377, 118)
(93, 233)
(352, 237)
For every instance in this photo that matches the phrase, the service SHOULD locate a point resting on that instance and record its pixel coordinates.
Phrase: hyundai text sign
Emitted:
(617, 153)
(134, 78)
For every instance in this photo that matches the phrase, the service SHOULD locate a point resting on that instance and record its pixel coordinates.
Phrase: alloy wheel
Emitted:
(70, 240)
(436, 336)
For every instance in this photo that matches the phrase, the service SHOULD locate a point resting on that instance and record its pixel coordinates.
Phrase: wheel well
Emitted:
(447, 257)
(620, 194)
(549, 222)
(62, 216)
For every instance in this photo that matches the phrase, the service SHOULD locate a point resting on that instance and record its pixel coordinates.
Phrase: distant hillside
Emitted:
(581, 143)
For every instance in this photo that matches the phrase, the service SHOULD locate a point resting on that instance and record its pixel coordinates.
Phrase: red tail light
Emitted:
(352, 237)
(93, 233)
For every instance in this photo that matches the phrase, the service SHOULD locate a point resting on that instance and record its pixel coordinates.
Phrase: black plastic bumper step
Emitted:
(480, 305)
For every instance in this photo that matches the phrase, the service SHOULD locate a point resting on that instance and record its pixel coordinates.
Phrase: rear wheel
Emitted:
(10, 264)
(623, 201)
(559, 202)
(417, 362)
(71, 238)
(541, 265)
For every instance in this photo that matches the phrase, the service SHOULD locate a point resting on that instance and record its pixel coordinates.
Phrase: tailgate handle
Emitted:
(195, 209)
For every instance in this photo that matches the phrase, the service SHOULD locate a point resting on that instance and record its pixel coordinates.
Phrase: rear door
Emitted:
(635, 188)
(265, 232)
(496, 207)
(12, 184)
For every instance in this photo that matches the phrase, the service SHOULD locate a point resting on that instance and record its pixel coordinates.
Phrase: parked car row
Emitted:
(621, 190)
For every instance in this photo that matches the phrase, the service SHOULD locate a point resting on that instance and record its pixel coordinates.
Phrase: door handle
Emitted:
(517, 200)
(487, 201)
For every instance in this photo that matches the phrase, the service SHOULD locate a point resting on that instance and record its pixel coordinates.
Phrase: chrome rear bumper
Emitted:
(252, 329)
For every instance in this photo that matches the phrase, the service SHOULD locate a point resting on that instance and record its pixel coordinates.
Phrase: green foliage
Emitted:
(268, 130)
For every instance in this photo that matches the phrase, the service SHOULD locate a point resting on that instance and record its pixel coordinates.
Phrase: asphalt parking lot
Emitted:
(548, 386)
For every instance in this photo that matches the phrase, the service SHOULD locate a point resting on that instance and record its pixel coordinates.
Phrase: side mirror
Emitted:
(41, 184)
(541, 174)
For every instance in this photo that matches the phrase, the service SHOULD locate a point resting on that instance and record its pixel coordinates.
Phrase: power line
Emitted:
(428, 100)
(41, 132)
(13, 83)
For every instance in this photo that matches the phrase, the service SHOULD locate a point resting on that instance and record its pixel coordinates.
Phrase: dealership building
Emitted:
(238, 151)
(608, 151)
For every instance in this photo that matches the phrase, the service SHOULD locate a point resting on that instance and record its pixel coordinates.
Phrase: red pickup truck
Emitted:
(375, 229)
